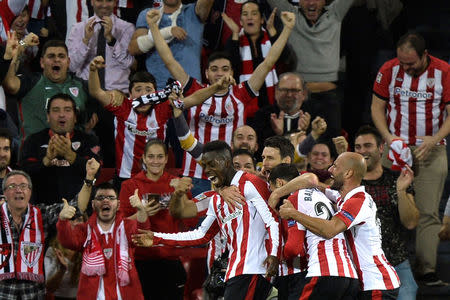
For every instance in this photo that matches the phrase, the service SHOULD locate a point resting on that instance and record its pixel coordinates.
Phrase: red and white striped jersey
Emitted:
(8, 10)
(125, 3)
(325, 257)
(215, 119)
(416, 106)
(217, 245)
(76, 11)
(358, 211)
(133, 130)
(245, 228)
(36, 9)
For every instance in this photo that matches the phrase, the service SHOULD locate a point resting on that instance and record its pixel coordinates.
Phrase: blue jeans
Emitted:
(408, 288)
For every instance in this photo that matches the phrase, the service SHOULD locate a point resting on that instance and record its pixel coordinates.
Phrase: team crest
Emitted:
(30, 253)
(76, 145)
(95, 149)
(107, 252)
(74, 91)
(5, 254)
(430, 82)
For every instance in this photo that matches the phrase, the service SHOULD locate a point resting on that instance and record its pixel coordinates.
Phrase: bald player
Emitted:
(356, 217)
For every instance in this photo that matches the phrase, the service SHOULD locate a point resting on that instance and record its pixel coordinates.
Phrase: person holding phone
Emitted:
(155, 187)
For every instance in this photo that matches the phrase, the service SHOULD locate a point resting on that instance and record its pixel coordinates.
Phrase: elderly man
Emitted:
(410, 101)
(55, 157)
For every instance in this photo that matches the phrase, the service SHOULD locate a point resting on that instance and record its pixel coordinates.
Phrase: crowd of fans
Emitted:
(227, 123)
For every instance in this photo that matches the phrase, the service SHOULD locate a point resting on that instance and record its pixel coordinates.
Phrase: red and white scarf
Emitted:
(29, 263)
(93, 257)
(400, 155)
(247, 62)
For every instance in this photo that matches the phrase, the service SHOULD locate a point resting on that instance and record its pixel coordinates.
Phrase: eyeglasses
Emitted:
(283, 90)
(101, 198)
(14, 186)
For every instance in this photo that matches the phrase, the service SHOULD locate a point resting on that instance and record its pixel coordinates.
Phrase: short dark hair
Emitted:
(54, 43)
(64, 97)
(414, 41)
(219, 55)
(251, 1)
(104, 186)
(17, 172)
(141, 76)
(283, 171)
(282, 144)
(218, 146)
(367, 129)
(243, 151)
(6, 134)
(155, 141)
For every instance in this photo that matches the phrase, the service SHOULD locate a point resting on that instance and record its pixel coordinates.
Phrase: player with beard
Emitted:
(394, 195)
(356, 216)
(5, 154)
(107, 270)
(246, 227)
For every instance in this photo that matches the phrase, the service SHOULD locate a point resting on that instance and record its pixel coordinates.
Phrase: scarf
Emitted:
(400, 155)
(160, 96)
(29, 263)
(93, 263)
(247, 67)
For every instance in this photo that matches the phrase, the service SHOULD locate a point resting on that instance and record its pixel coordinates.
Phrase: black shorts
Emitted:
(378, 294)
(330, 287)
(247, 286)
(290, 286)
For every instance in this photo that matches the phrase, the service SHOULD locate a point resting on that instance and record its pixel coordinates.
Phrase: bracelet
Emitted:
(89, 183)
(22, 43)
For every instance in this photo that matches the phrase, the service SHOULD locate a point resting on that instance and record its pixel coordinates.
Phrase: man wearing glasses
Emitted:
(107, 269)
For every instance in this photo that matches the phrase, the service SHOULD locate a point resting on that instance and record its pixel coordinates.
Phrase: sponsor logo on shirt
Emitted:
(379, 77)
(413, 94)
(233, 215)
(214, 120)
(135, 131)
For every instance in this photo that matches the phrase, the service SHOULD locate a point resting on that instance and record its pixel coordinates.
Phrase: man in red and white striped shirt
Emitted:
(356, 216)
(410, 102)
(246, 227)
(222, 113)
(8, 10)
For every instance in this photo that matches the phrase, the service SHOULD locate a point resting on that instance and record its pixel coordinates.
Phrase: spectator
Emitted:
(244, 137)
(357, 212)
(23, 275)
(319, 160)
(204, 119)
(246, 280)
(410, 97)
(185, 29)
(244, 160)
(321, 254)
(104, 235)
(316, 42)
(5, 155)
(249, 46)
(285, 116)
(62, 268)
(156, 186)
(56, 157)
(393, 194)
(33, 90)
(9, 9)
(444, 233)
(135, 126)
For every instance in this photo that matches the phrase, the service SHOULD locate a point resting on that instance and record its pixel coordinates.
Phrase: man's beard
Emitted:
(337, 184)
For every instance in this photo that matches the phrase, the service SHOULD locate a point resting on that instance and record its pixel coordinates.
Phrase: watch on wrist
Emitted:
(22, 43)
(89, 183)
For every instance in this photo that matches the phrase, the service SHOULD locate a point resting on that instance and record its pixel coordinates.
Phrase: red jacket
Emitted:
(74, 238)
(162, 221)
